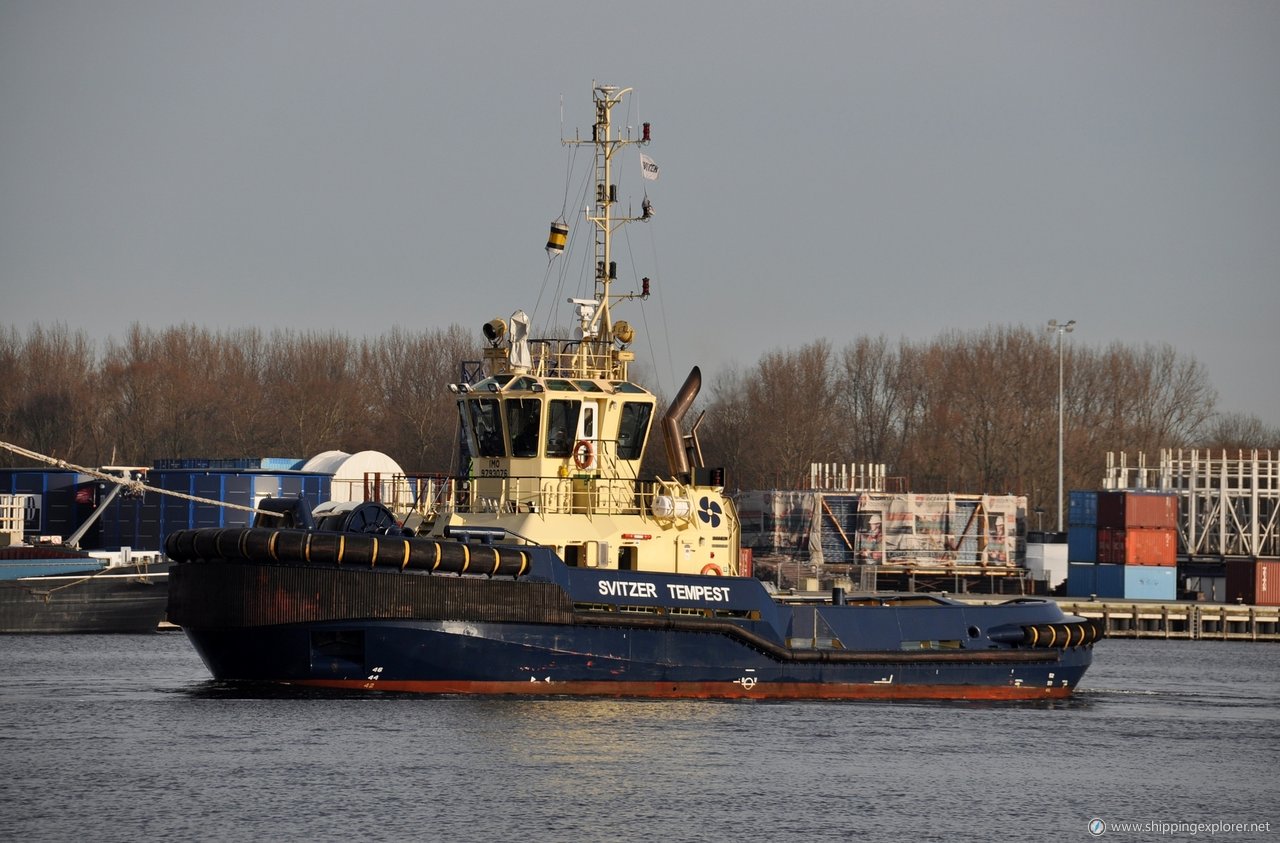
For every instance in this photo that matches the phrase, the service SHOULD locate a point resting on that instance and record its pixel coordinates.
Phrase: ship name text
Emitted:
(677, 591)
(625, 588)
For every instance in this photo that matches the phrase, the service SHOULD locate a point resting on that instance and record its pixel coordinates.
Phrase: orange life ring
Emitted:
(713, 569)
(583, 454)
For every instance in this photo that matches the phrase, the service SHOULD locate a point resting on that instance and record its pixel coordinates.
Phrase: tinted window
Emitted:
(486, 423)
(562, 423)
(632, 429)
(523, 415)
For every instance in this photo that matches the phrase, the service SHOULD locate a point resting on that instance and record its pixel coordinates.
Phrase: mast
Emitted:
(597, 352)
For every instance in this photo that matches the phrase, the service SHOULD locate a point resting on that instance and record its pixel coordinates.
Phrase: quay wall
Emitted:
(1181, 620)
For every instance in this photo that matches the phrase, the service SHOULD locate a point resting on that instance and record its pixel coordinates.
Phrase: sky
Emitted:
(828, 169)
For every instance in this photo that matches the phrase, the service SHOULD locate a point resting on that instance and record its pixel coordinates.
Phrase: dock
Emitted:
(1187, 621)
(1182, 620)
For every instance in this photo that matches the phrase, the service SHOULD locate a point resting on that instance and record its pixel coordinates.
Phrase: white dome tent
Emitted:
(363, 476)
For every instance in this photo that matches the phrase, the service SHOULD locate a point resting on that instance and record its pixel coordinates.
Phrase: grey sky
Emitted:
(828, 169)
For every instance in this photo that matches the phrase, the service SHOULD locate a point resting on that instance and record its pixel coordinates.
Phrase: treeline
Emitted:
(190, 392)
(972, 412)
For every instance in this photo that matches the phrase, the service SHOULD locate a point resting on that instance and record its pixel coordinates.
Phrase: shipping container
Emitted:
(230, 464)
(1082, 579)
(1138, 546)
(1150, 582)
(1109, 580)
(1129, 509)
(120, 525)
(55, 509)
(1082, 508)
(1082, 544)
(241, 488)
(143, 521)
(1254, 581)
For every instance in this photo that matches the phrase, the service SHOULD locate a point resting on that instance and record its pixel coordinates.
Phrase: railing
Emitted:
(567, 495)
(572, 359)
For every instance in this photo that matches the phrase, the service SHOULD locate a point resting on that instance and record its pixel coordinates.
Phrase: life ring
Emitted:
(713, 569)
(583, 454)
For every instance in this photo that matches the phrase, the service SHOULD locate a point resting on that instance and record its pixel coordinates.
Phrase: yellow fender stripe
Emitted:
(373, 560)
(524, 563)
(342, 547)
(404, 563)
(306, 549)
(497, 560)
(436, 564)
(466, 558)
(271, 545)
(1035, 635)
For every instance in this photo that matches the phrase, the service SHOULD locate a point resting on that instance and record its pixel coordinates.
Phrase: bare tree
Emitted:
(874, 397)
(48, 400)
(1239, 432)
(310, 386)
(415, 416)
(961, 412)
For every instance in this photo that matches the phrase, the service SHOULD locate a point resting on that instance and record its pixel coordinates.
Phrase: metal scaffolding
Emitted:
(1228, 505)
(851, 477)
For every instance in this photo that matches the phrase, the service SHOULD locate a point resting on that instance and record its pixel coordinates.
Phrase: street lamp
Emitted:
(1061, 329)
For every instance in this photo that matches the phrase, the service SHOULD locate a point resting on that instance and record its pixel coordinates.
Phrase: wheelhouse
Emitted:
(523, 425)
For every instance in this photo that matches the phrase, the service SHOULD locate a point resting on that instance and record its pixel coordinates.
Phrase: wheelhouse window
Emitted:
(486, 425)
(562, 423)
(632, 429)
(523, 418)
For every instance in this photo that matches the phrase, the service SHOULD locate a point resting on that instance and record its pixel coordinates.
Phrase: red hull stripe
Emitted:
(702, 690)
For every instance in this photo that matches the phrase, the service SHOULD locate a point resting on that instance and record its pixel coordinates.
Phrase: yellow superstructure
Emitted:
(557, 431)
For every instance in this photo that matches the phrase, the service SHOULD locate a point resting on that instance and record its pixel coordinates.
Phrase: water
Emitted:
(124, 738)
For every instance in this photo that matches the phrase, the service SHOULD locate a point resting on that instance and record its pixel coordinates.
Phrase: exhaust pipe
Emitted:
(677, 458)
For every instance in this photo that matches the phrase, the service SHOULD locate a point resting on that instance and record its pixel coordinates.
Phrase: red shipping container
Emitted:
(1126, 510)
(1254, 581)
(1138, 547)
(1107, 543)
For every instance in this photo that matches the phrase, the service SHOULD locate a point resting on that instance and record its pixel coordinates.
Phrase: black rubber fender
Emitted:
(287, 546)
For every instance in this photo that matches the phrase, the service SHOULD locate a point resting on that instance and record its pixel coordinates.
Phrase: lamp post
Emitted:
(1061, 329)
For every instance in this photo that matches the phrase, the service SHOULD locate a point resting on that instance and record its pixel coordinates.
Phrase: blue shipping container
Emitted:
(143, 522)
(1082, 579)
(281, 463)
(1082, 508)
(1110, 581)
(56, 512)
(1082, 544)
(242, 488)
(1150, 582)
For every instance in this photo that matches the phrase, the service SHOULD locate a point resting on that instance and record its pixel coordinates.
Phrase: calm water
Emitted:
(125, 738)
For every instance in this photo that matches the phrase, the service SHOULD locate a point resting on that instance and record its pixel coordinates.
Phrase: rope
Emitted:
(144, 567)
(132, 487)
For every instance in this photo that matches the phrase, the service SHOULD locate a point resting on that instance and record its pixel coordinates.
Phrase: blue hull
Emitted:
(442, 658)
(554, 630)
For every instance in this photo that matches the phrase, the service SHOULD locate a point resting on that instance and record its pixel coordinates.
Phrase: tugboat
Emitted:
(553, 569)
